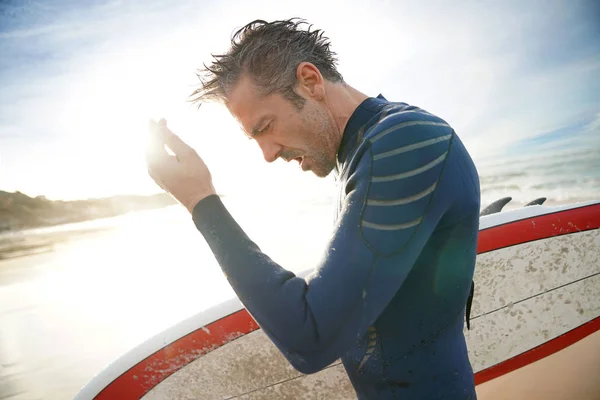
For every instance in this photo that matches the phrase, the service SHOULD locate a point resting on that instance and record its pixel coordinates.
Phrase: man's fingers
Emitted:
(177, 146)
(164, 135)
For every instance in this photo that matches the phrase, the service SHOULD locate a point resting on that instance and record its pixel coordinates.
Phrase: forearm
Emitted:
(271, 293)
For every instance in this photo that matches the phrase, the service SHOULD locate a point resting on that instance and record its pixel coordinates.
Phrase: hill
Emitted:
(19, 211)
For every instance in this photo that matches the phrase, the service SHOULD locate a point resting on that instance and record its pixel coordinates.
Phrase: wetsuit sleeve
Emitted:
(393, 202)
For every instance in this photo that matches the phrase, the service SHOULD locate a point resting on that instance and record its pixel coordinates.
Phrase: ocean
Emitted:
(561, 174)
(76, 297)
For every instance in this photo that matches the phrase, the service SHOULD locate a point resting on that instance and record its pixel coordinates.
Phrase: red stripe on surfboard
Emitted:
(539, 227)
(141, 378)
(149, 372)
(537, 353)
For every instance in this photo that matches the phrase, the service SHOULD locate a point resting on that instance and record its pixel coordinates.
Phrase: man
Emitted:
(389, 295)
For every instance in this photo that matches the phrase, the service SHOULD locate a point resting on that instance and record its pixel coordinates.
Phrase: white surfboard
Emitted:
(535, 327)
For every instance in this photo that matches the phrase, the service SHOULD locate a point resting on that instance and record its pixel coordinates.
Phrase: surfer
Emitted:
(389, 295)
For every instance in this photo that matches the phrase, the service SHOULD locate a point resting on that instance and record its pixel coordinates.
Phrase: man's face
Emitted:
(281, 131)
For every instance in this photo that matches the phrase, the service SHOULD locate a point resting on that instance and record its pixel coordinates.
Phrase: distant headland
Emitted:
(19, 211)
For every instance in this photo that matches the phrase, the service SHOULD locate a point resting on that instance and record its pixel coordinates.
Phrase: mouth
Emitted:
(301, 162)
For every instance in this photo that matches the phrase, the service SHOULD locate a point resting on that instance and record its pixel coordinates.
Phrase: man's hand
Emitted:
(184, 175)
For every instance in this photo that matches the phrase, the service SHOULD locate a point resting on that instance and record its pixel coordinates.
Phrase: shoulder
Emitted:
(398, 139)
(402, 124)
(396, 125)
(406, 138)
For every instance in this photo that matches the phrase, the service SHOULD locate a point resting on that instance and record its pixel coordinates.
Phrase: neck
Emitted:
(341, 101)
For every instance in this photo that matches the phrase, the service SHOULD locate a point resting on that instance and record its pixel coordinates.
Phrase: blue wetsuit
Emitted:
(389, 295)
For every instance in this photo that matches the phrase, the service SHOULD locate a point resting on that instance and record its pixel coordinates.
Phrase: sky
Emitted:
(81, 79)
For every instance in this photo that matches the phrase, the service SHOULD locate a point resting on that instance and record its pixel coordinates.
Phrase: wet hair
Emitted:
(269, 52)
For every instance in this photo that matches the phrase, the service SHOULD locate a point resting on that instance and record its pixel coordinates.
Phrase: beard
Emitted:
(320, 137)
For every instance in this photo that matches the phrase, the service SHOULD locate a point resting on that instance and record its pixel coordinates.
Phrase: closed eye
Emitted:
(263, 130)
(266, 128)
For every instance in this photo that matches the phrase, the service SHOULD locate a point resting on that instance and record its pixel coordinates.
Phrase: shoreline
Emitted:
(19, 243)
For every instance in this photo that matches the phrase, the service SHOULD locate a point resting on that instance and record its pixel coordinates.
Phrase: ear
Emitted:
(309, 81)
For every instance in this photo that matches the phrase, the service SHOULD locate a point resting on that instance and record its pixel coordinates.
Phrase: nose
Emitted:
(270, 150)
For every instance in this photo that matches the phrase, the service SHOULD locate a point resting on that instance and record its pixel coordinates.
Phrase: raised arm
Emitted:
(393, 202)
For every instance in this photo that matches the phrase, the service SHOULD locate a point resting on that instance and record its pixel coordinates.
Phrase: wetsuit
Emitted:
(389, 295)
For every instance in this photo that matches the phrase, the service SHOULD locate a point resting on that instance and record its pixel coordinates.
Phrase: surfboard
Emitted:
(535, 327)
